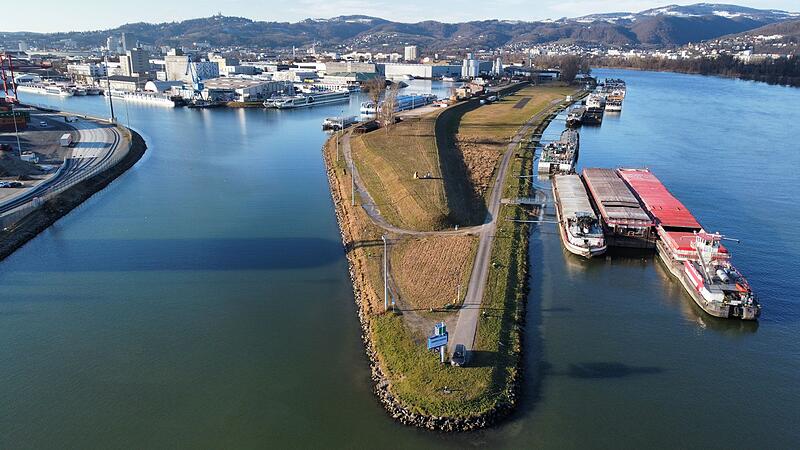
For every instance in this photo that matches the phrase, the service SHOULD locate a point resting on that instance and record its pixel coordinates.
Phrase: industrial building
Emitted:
(87, 73)
(135, 63)
(128, 84)
(245, 90)
(390, 70)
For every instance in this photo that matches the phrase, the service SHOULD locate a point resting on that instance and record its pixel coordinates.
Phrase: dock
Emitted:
(625, 223)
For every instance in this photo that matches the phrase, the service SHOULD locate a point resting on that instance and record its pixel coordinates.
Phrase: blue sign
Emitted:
(437, 341)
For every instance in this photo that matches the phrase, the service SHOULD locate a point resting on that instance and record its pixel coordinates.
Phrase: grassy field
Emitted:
(387, 162)
(428, 270)
(426, 386)
(483, 133)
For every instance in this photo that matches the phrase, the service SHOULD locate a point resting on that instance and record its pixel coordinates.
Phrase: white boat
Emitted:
(449, 79)
(402, 103)
(580, 230)
(151, 98)
(58, 90)
(307, 100)
(78, 91)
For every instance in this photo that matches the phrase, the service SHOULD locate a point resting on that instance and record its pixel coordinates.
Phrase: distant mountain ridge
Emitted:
(671, 25)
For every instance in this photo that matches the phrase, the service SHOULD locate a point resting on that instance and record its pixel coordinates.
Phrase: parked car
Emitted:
(10, 184)
(459, 358)
(43, 124)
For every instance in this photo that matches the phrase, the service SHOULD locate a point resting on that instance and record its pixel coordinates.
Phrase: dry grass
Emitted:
(427, 271)
(387, 162)
(484, 133)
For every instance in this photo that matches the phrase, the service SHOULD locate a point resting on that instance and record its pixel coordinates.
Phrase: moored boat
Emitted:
(560, 156)
(575, 116)
(579, 227)
(695, 257)
(303, 101)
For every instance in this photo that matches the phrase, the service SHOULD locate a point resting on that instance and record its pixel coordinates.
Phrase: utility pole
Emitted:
(385, 276)
(108, 86)
(352, 182)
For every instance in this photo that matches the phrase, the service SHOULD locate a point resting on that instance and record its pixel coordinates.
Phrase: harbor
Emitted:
(654, 336)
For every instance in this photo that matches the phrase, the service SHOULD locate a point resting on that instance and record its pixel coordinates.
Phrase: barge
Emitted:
(695, 257)
(624, 221)
(575, 116)
(579, 227)
(560, 156)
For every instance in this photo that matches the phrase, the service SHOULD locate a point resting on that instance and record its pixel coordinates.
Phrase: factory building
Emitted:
(472, 68)
(87, 73)
(390, 70)
(135, 63)
(245, 90)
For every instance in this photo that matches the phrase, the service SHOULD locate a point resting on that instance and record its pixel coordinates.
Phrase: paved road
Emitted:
(95, 145)
(469, 314)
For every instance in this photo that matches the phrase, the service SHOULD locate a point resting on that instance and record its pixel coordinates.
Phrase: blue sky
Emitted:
(69, 15)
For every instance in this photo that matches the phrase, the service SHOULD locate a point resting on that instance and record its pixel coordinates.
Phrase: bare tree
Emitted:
(388, 108)
(374, 87)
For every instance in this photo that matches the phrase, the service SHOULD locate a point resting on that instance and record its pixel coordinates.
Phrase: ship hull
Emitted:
(586, 252)
(717, 310)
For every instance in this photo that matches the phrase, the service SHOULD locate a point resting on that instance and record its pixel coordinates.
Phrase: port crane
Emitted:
(9, 85)
(197, 83)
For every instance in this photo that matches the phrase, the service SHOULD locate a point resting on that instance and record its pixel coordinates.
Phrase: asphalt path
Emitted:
(95, 145)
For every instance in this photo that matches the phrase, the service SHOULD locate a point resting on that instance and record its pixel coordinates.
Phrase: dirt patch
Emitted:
(522, 102)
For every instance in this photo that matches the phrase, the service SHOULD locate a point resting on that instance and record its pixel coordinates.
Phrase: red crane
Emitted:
(9, 86)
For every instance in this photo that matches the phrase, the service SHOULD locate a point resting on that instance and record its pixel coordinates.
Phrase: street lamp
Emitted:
(385, 276)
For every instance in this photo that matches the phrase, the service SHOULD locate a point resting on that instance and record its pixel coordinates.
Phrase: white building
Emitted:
(410, 53)
(245, 90)
(390, 70)
(87, 70)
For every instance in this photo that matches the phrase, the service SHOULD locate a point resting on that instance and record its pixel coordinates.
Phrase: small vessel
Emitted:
(303, 101)
(580, 230)
(575, 116)
(560, 156)
(79, 91)
(338, 123)
(597, 101)
(449, 79)
(614, 102)
(57, 90)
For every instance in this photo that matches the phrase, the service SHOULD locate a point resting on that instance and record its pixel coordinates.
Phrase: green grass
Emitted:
(417, 378)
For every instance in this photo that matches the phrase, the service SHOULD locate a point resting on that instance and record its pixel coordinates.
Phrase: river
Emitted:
(202, 299)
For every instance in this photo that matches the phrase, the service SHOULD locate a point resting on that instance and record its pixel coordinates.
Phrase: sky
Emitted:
(82, 15)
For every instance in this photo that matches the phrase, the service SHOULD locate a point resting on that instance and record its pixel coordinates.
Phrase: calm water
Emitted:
(203, 299)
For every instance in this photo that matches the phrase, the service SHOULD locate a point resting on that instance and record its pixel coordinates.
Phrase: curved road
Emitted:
(94, 147)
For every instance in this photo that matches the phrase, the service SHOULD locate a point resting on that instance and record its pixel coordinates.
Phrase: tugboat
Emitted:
(715, 285)
(560, 156)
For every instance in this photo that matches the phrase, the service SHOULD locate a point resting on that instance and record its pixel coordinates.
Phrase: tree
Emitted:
(387, 111)
(570, 65)
(374, 87)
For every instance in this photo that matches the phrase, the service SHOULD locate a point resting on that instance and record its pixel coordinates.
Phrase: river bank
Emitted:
(499, 337)
(34, 223)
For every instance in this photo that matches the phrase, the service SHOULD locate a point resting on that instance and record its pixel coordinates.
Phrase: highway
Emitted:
(95, 146)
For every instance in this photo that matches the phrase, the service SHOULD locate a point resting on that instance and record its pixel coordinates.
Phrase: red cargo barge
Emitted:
(692, 255)
(625, 223)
